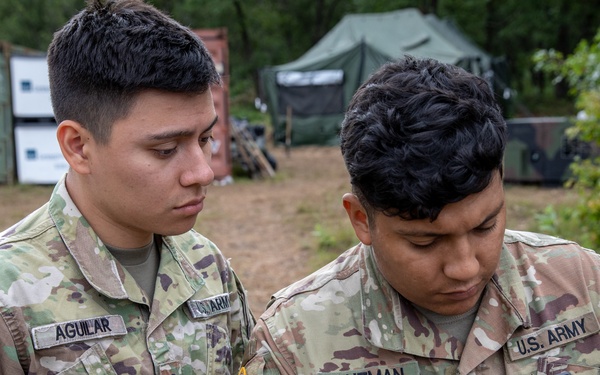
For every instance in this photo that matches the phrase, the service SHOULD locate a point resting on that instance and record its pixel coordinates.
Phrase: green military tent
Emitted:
(306, 98)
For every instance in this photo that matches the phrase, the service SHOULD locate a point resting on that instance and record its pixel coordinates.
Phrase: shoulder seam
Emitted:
(38, 230)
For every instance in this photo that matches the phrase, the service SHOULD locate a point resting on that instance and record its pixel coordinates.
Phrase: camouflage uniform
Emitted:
(538, 315)
(69, 307)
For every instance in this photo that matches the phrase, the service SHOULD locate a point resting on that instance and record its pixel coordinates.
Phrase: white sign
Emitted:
(30, 87)
(312, 78)
(39, 160)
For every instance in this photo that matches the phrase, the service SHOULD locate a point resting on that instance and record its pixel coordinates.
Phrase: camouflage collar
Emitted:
(99, 266)
(405, 330)
(96, 263)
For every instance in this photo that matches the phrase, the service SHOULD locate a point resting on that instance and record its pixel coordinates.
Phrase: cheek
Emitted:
(490, 250)
(400, 266)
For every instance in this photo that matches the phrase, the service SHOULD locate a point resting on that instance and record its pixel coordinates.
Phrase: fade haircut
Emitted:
(113, 50)
(420, 134)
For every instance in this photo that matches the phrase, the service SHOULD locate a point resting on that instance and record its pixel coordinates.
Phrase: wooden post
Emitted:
(288, 130)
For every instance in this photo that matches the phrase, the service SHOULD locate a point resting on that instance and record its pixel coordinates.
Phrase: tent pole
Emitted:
(288, 130)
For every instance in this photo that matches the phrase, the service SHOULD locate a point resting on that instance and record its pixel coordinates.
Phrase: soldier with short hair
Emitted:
(109, 276)
(436, 284)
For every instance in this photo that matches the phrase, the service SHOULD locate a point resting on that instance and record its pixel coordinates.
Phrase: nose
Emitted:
(196, 168)
(461, 261)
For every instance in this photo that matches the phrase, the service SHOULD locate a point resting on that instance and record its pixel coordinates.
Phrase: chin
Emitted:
(176, 230)
(457, 310)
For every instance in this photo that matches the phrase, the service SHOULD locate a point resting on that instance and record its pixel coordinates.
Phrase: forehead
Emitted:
(154, 109)
(460, 216)
(160, 100)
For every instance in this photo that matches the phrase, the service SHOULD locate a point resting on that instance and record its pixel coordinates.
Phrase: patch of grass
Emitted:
(331, 241)
(524, 202)
(304, 208)
(563, 221)
(519, 216)
(17, 201)
(307, 214)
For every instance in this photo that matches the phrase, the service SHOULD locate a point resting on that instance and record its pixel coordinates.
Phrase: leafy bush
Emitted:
(565, 222)
(581, 70)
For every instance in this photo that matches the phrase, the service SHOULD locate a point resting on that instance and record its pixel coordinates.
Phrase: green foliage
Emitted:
(581, 70)
(565, 222)
(331, 242)
(242, 106)
(326, 240)
(31, 23)
(271, 32)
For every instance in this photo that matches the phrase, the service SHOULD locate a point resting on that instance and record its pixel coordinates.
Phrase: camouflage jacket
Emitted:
(68, 307)
(538, 315)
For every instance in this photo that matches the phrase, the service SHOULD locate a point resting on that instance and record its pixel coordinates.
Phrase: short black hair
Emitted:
(114, 49)
(420, 134)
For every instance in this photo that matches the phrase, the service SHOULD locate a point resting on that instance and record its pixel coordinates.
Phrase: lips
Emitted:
(192, 202)
(192, 207)
(463, 293)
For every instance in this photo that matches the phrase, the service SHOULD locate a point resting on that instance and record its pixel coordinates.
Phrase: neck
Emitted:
(105, 228)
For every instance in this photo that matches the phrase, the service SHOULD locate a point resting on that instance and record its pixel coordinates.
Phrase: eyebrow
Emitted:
(434, 234)
(180, 133)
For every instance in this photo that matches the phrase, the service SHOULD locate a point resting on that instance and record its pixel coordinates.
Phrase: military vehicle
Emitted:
(540, 152)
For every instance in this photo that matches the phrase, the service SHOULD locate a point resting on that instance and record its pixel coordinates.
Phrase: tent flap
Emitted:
(300, 100)
(312, 92)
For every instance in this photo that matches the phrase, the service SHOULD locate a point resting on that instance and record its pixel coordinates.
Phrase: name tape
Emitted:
(553, 336)
(55, 334)
(408, 368)
(205, 308)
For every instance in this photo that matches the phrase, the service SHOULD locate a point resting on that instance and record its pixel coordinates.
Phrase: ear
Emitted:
(74, 141)
(358, 217)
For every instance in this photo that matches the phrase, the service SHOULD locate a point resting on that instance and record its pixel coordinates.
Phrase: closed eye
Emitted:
(486, 229)
(163, 154)
(423, 245)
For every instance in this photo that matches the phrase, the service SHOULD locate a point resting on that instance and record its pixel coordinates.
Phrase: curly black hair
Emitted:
(420, 134)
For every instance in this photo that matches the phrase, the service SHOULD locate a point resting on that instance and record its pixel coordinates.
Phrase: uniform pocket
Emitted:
(219, 348)
(92, 361)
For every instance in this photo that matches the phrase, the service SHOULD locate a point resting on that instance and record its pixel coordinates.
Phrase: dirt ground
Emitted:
(266, 226)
